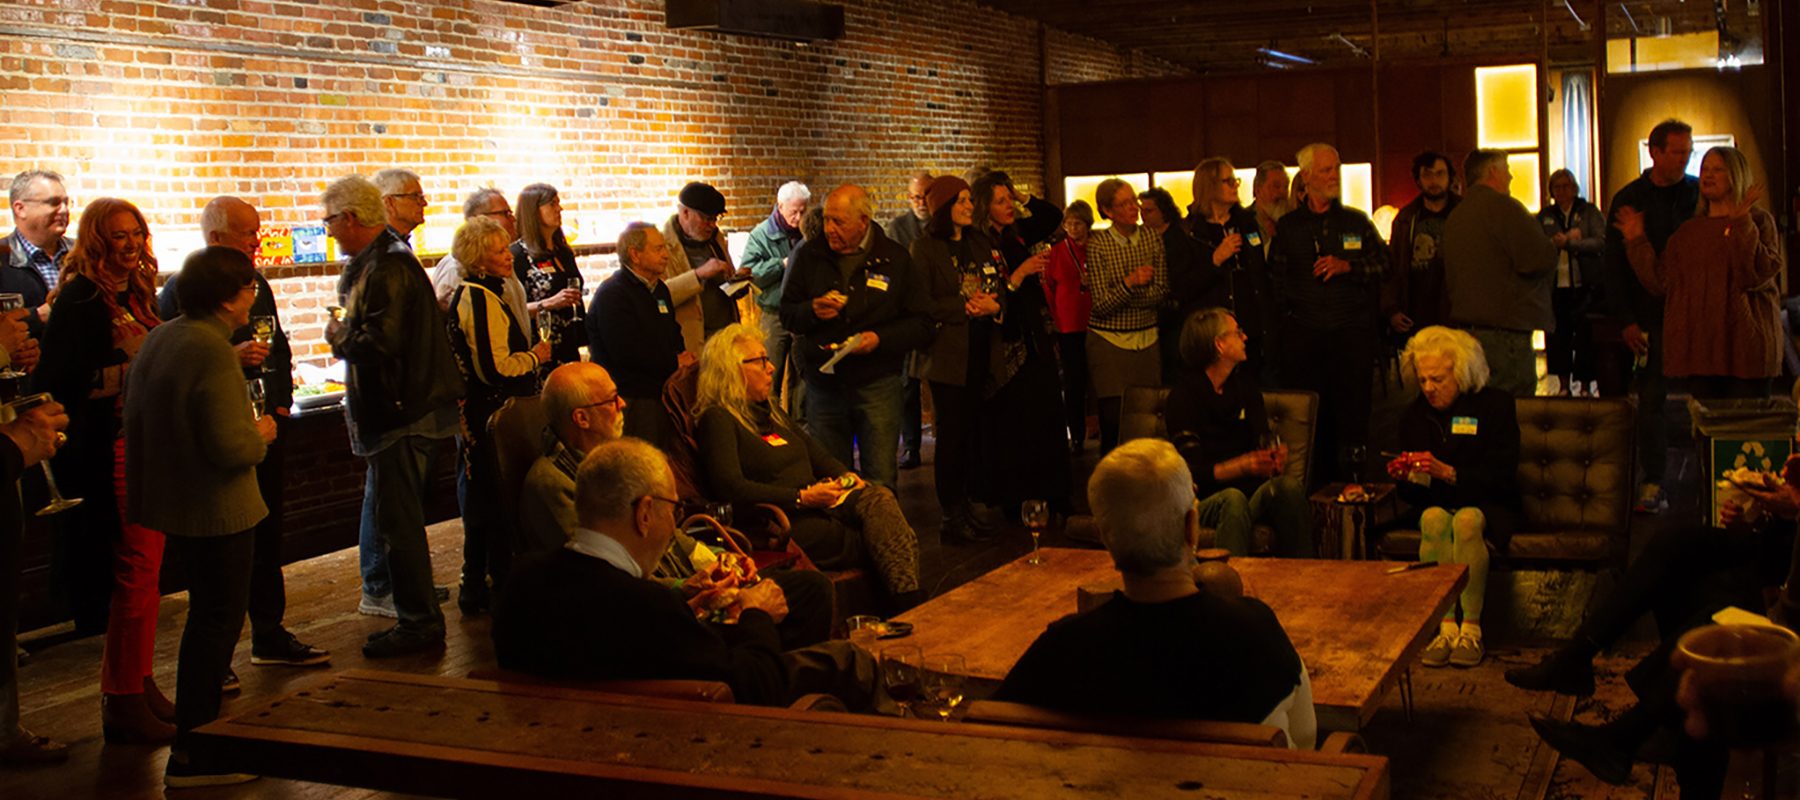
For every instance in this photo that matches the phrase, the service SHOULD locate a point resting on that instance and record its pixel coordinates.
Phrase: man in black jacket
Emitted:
(633, 333)
(31, 258)
(854, 281)
(31, 438)
(402, 386)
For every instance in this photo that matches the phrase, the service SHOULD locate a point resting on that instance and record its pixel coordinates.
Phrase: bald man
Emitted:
(231, 222)
(855, 281)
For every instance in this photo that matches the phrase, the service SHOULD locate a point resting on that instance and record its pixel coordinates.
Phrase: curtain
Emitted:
(1578, 131)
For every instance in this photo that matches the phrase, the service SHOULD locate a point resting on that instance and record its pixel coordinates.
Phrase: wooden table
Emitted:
(469, 738)
(1342, 527)
(1357, 627)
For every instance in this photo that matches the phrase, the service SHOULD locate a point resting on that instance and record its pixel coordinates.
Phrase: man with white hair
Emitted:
(402, 385)
(1326, 261)
(766, 256)
(1163, 646)
(447, 275)
(855, 288)
(402, 200)
(31, 258)
(232, 222)
(1499, 268)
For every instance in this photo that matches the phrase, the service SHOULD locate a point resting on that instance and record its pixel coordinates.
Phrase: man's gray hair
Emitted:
(632, 239)
(357, 196)
(1305, 157)
(857, 198)
(1480, 162)
(216, 216)
(477, 201)
(394, 179)
(1468, 363)
(792, 190)
(22, 182)
(617, 474)
(1141, 493)
(1265, 170)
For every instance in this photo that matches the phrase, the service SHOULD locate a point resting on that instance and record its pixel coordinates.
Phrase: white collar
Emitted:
(595, 544)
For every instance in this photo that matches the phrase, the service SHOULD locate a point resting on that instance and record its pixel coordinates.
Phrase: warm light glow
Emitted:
(1685, 51)
(1506, 107)
(1526, 186)
(1179, 185)
(1082, 188)
(1384, 221)
(1359, 185)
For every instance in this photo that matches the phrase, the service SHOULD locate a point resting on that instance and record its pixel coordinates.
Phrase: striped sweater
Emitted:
(1111, 257)
(490, 345)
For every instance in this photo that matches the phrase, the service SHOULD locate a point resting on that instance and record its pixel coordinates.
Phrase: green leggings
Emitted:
(1457, 539)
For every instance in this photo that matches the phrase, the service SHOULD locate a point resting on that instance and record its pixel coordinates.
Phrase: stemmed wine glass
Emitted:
(900, 675)
(574, 282)
(10, 378)
(546, 319)
(258, 396)
(1035, 514)
(262, 331)
(57, 503)
(944, 683)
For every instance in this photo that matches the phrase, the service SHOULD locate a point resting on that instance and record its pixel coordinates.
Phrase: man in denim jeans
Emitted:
(854, 282)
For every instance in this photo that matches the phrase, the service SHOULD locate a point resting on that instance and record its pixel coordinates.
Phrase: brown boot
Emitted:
(158, 702)
(126, 719)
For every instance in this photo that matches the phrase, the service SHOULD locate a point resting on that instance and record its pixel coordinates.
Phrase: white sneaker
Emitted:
(1467, 651)
(1437, 653)
(378, 606)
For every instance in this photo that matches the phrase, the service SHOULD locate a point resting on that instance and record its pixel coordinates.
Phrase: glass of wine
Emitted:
(546, 320)
(1035, 514)
(262, 331)
(943, 683)
(574, 282)
(10, 378)
(57, 503)
(258, 395)
(900, 675)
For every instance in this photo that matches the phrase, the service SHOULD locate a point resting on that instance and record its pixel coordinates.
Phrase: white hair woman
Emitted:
(751, 453)
(1461, 443)
(497, 362)
(1719, 274)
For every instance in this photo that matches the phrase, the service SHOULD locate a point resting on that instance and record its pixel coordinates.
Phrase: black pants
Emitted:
(810, 595)
(912, 422)
(1336, 363)
(1569, 350)
(1652, 396)
(268, 590)
(954, 414)
(488, 536)
(218, 596)
(1071, 350)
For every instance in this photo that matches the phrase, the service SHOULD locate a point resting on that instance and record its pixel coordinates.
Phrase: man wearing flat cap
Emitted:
(699, 265)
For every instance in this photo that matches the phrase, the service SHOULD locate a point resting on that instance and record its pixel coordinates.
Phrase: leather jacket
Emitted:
(400, 366)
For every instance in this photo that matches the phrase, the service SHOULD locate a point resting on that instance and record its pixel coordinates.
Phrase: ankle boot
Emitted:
(157, 701)
(126, 719)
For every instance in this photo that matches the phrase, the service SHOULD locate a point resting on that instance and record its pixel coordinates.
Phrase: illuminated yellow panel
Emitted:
(1179, 185)
(1506, 107)
(1384, 221)
(1618, 55)
(1359, 185)
(1526, 187)
(1688, 50)
(1082, 188)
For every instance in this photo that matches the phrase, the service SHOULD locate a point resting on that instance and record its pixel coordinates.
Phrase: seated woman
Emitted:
(1461, 439)
(751, 453)
(1216, 417)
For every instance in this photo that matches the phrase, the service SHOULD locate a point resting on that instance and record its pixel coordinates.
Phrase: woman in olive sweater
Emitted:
(192, 443)
(751, 453)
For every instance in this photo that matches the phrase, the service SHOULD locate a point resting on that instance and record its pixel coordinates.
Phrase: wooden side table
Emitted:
(1341, 528)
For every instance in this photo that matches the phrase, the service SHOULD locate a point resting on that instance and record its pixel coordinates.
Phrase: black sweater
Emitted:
(1224, 424)
(885, 294)
(632, 332)
(1479, 436)
(569, 616)
(745, 466)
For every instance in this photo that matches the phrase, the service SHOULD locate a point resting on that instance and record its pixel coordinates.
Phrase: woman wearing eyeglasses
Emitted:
(490, 345)
(1232, 245)
(750, 452)
(544, 262)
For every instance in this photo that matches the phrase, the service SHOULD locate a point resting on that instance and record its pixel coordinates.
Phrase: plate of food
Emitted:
(1353, 493)
(1754, 479)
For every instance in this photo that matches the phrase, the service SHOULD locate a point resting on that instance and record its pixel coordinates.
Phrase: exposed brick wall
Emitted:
(169, 103)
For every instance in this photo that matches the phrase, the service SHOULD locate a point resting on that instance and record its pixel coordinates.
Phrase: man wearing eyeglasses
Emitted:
(403, 198)
(31, 257)
(904, 229)
(447, 275)
(700, 264)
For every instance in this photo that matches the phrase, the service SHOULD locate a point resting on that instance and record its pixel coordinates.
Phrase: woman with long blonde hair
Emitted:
(104, 305)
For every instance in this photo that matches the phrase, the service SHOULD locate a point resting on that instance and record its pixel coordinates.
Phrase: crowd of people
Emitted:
(793, 377)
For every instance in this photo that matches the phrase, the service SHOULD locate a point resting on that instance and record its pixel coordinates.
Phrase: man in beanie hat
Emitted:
(699, 264)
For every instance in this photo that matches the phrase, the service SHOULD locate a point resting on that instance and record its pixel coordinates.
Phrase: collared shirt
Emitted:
(1125, 315)
(598, 545)
(47, 264)
(649, 283)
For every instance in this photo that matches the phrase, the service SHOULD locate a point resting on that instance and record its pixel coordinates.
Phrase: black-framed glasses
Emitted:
(763, 360)
(505, 212)
(615, 400)
(417, 197)
(1232, 180)
(674, 505)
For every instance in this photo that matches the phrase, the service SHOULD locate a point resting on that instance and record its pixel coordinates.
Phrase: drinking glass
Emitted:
(944, 683)
(720, 512)
(1738, 673)
(863, 630)
(1035, 514)
(57, 503)
(546, 319)
(10, 378)
(900, 675)
(258, 395)
(262, 331)
(574, 282)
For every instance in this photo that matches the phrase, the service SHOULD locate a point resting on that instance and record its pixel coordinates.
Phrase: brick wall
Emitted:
(168, 103)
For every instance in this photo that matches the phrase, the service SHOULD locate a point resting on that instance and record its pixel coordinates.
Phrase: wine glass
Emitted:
(11, 378)
(258, 396)
(944, 683)
(546, 320)
(900, 675)
(262, 331)
(863, 630)
(720, 512)
(1035, 513)
(57, 503)
(574, 282)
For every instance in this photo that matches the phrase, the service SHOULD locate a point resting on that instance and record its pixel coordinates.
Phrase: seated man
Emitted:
(1163, 647)
(1216, 420)
(585, 411)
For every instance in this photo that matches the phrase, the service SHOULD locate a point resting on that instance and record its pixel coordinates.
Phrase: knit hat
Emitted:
(702, 198)
(944, 190)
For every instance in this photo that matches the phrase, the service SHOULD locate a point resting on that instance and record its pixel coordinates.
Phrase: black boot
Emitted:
(1564, 671)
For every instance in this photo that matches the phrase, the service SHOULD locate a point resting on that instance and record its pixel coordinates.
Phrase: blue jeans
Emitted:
(393, 530)
(1279, 502)
(867, 416)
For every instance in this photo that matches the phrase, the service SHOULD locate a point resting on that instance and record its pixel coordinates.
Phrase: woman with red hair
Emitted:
(104, 305)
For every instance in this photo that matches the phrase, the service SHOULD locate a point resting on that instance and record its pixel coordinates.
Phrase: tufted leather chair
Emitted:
(1575, 461)
(1292, 415)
